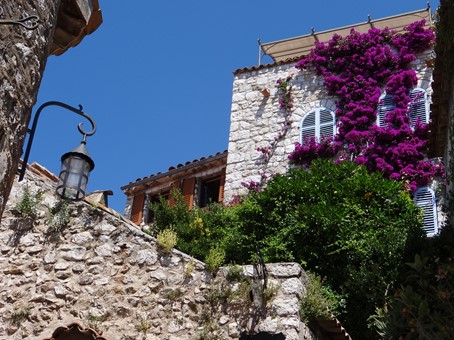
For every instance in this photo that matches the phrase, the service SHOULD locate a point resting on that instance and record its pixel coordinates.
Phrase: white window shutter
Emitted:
(425, 199)
(385, 104)
(419, 106)
(317, 123)
(308, 126)
(326, 123)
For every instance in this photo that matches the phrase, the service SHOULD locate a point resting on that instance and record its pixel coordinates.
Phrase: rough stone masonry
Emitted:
(23, 56)
(102, 272)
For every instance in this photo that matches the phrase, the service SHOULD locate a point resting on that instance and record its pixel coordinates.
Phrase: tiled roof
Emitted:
(259, 67)
(176, 169)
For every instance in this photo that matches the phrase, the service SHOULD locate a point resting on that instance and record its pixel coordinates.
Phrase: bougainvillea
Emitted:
(356, 69)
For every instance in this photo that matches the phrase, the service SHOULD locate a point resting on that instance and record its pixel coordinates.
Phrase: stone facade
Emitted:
(102, 272)
(24, 55)
(200, 182)
(256, 119)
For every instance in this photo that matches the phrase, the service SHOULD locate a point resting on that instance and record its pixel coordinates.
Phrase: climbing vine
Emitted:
(266, 152)
(356, 69)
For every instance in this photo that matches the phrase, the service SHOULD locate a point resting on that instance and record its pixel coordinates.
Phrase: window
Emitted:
(209, 191)
(419, 106)
(385, 104)
(425, 199)
(149, 214)
(317, 123)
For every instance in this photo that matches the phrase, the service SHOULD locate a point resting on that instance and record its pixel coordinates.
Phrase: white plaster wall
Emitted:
(255, 120)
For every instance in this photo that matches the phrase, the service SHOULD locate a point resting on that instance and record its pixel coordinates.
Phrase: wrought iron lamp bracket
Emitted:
(30, 22)
(35, 122)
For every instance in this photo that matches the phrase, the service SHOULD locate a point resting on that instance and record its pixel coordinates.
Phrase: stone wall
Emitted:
(102, 272)
(23, 58)
(256, 120)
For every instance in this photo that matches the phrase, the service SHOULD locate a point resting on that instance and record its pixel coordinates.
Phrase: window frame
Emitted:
(425, 101)
(317, 125)
(383, 109)
(428, 208)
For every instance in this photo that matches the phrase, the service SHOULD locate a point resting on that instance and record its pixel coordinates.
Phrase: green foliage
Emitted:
(19, 316)
(215, 258)
(339, 221)
(320, 301)
(234, 273)
(27, 205)
(423, 307)
(349, 226)
(197, 230)
(172, 294)
(58, 216)
(166, 239)
(189, 269)
(144, 325)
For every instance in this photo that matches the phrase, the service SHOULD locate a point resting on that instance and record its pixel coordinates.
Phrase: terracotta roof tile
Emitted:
(179, 167)
(260, 67)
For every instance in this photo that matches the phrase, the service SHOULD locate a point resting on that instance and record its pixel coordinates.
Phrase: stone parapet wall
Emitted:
(256, 120)
(102, 272)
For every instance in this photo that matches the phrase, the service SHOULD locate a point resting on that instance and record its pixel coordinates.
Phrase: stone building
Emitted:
(257, 120)
(49, 27)
(82, 271)
(200, 181)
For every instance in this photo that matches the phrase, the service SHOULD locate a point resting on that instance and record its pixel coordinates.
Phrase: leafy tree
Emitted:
(349, 226)
(423, 306)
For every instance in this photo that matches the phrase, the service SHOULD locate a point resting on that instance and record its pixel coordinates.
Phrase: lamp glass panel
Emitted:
(73, 178)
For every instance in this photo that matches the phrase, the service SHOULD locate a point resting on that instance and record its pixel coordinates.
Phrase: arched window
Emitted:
(317, 123)
(419, 106)
(425, 199)
(385, 104)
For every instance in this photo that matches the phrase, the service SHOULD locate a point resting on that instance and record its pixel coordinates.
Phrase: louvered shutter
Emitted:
(308, 127)
(221, 187)
(385, 105)
(137, 209)
(326, 123)
(175, 185)
(188, 191)
(317, 123)
(419, 107)
(425, 199)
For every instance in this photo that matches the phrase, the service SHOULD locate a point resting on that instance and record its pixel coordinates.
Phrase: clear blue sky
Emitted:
(157, 78)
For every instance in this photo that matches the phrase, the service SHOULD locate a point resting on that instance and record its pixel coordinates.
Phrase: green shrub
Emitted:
(234, 273)
(166, 239)
(351, 227)
(423, 306)
(58, 216)
(320, 301)
(189, 269)
(19, 316)
(27, 205)
(215, 258)
(197, 229)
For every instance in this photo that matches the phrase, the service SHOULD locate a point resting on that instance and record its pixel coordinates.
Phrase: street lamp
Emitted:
(76, 164)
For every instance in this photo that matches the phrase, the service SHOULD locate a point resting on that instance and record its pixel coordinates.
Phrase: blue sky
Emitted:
(157, 78)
